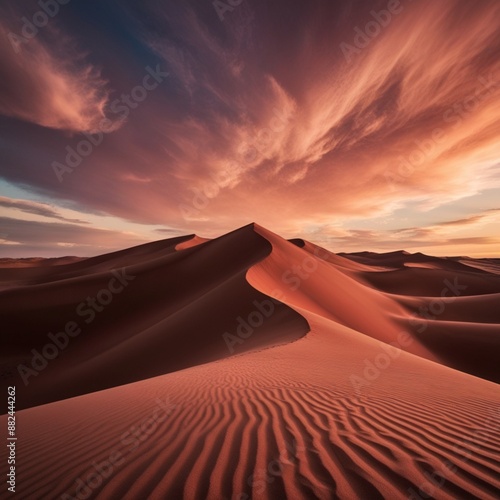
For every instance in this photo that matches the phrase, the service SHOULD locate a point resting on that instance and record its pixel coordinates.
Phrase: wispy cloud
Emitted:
(36, 208)
(49, 83)
(488, 215)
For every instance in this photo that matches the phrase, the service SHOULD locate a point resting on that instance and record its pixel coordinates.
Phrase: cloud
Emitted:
(473, 219)
(333, 137)
(167, 231)
(440, 234)
(37, 208)
(48, 83)
(440, 228)
(473, 240)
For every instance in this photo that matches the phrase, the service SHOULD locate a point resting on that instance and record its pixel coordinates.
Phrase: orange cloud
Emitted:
(413, 117)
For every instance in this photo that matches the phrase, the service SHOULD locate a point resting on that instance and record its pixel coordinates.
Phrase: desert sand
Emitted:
(250, 366)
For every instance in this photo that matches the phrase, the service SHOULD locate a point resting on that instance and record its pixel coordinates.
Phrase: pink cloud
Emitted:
(51, 85)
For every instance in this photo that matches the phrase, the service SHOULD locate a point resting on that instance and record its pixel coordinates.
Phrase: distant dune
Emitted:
(250, 366)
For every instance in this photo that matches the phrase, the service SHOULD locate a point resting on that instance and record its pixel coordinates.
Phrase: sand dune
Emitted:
(319, 407)
(171, 314)
(41, 271)
(488, 265)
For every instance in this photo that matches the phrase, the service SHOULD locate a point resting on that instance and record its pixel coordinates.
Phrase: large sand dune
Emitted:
(342, 391)
(170, 314)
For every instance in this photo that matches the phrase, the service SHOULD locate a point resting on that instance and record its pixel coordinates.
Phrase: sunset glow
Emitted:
(357, 125)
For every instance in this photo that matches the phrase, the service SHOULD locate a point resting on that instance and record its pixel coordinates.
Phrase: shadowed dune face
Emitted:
(329, 411)
(426, 282)
(488, 265)
(40, 272)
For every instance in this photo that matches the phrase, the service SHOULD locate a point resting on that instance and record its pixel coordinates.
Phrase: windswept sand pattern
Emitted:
(243, 426)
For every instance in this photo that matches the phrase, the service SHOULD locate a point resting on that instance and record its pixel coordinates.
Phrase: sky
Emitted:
(355, 124)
